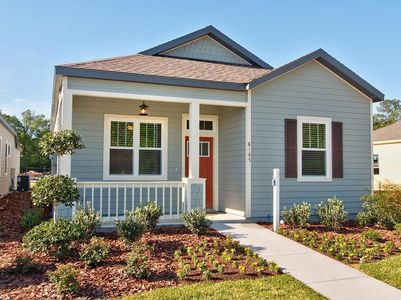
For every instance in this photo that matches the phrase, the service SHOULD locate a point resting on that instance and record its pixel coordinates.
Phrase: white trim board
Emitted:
(205, 133)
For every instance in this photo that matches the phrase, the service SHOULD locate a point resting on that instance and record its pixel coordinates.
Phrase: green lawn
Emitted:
(274, 287)
(387, 270)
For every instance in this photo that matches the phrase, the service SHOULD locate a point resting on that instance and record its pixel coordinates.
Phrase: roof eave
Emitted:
(216, 35)
(332, 64)
(152, 79)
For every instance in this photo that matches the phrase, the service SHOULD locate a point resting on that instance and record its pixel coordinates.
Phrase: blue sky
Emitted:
(36, 35)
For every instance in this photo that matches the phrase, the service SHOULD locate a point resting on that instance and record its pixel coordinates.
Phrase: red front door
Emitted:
(205, 165)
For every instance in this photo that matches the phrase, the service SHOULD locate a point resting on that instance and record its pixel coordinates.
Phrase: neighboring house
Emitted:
(9, 158)
(387, 154)
(311, 118)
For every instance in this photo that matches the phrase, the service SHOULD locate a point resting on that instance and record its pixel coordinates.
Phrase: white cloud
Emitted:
(18, 105)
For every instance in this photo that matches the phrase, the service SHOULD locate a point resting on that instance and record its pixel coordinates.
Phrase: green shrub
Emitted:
(95, 252)
(51, 237)
(60, 143)
(137, 265)
(31, 218)
(332, 213)
(129, 230)
(398, 227)
(207, 275)
(298, 215)
(24, 265)
(65, 279)
(383, 207)
(372, 235)
(86, 222)
(183, 270)
(148, 216)
(55, 189)
(196, 221)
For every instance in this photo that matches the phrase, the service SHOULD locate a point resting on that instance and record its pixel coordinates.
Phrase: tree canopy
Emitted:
(29, 129)
(388, 112)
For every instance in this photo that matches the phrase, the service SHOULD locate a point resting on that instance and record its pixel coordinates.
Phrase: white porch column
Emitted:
(64, 162)
(194, 110)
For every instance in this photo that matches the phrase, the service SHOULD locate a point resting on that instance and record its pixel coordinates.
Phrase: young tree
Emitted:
(388, 112)
(29, 129)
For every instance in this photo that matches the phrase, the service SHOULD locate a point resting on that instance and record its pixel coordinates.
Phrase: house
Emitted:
(9, 158)
(137, 114)
(387, 154)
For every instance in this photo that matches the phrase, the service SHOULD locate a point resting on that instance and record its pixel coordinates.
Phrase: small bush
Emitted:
(148, 216)
(137, 265)
(372, 235)
(55, 189)
(383, 207)
(86, 222)
(51, 237)
(207, 275)
(196, 221)
(398, 227)
(183, 270)
(24, 265)
(298, 215)
(31, 218)
(65, 279)
(332, 213)
(95, 252)
(129, 230)
(61, 143)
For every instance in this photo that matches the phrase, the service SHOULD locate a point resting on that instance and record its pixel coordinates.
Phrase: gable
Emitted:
(205, 48)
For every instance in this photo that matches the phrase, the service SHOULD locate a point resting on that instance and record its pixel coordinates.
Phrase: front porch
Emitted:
(131, 159)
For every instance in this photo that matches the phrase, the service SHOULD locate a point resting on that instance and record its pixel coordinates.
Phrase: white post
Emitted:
(194, 109)
(276, 199)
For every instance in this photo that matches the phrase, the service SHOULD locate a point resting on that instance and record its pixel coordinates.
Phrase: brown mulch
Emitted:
(106, 281)
(350, 229)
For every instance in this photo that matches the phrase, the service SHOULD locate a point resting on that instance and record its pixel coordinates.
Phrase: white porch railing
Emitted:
(112, 199)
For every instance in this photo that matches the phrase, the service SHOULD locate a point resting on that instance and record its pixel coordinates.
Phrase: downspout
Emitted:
(248, 154)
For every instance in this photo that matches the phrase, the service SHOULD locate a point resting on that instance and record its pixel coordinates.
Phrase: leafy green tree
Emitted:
(388, 112)
(30, 128)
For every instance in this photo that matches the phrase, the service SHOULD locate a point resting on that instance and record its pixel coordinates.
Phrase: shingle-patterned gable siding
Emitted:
(310, 90)
(206, 49)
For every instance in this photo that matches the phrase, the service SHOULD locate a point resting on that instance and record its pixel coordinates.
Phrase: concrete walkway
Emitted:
(327, 276)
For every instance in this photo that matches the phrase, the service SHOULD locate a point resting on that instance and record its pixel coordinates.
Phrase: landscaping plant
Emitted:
(52, 238)
(332, 213)
(382, 207)
(137, 265)
(31, 217)
(148, 215)
(371, 234)
(61, 143)
(86, 221)
(65, 279)
(95, 252)
(298, 215)
(129, 230)
(24, 265)
(196, 221)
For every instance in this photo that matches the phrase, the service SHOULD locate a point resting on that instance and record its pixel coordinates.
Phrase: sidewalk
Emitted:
(327, 276)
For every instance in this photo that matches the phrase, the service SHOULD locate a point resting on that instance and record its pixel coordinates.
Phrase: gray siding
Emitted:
(206, 49)
(232, 159)
(310, 90)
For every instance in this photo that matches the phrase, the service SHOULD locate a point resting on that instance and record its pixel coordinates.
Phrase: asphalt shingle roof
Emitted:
(174, 67)
(388, 133)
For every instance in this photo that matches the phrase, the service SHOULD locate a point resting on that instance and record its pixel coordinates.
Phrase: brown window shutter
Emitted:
(337, 149)
(290, 128)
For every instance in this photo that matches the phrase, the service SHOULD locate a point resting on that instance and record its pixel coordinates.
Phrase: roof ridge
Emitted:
(98, 60)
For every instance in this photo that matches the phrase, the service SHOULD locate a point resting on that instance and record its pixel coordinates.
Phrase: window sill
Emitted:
(314, 179)
(135, 178)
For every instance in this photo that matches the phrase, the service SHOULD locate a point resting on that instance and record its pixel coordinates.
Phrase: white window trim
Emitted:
(317, 120)
(200, 154)
(108, 118)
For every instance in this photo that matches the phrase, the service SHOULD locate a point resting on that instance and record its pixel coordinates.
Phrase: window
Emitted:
(203, 125)
(6, 155)
(135, 147)
(376, 170)
(314, 149)
(204, 149)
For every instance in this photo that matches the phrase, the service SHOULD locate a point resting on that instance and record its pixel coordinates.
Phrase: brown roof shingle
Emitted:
(174, 67)
(388, 133)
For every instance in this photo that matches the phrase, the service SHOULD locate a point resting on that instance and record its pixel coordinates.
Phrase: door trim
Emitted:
(205, 133)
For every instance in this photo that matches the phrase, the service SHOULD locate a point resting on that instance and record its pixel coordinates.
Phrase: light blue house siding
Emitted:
(310, 90)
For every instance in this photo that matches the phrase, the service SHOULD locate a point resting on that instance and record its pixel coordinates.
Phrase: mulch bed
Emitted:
(106, 281)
